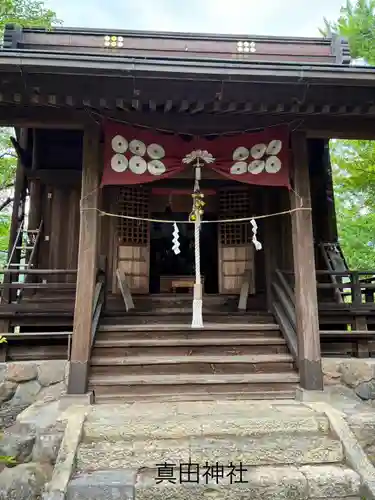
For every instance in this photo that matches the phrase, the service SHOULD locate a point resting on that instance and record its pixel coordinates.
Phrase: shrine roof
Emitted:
(180, 74)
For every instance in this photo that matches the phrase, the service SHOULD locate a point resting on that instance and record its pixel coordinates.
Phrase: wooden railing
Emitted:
(98, 304)
(347, 327)
(125, 290)
(284, 310)
(357, 287)
(40, 276)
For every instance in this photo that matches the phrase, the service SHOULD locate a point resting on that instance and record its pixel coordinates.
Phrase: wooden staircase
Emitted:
(152, 357)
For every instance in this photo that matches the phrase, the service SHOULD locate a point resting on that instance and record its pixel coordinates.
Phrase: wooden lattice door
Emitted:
(133, 255)
(236, 252)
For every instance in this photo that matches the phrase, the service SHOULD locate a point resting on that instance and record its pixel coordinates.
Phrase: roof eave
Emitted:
(114, 66)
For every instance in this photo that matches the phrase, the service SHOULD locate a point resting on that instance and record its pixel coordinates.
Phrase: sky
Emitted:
(250, 17)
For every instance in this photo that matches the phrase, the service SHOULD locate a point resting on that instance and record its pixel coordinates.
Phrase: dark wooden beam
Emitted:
(304, 269)
(87, 262)
(316, 126)
(57, 177)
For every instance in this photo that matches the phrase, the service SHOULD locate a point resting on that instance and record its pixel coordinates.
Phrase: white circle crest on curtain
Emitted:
(119, 163)
(257, 151)
(137, 147)
(256, 167)
(137, 165)
(155, 151)
(239, 168)
(156, 167)
(119, 144)
(274, 147)
(240, 154)
(273, 165)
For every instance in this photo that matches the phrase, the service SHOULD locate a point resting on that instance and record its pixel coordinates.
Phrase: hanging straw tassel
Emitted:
(197, 320)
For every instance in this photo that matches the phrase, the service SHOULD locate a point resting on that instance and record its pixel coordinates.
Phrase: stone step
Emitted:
(279, 450)
(119, 427)
(311, 482)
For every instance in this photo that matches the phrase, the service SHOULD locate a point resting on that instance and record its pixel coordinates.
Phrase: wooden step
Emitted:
(185, 334)
(108, 398)
(175, 360)
(258, 386)
(121, 313)
(187, 328)
(197, 341)
(193, 379)
(195, 364)
(188, 350)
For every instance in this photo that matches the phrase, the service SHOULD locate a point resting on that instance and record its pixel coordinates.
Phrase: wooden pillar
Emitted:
(87, 262)
(269, 235)
(304, 268)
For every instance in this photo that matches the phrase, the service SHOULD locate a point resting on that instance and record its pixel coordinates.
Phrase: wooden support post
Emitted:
(269, 255)
(311, 377)
(87, 263)
(360, 321)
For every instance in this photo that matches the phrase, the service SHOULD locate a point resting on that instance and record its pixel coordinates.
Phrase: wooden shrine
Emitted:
(90, 273)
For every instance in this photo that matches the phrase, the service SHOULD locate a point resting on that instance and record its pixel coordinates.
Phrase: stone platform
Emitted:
(215, 449)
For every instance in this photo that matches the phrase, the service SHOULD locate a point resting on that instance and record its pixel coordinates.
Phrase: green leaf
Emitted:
(8, 460)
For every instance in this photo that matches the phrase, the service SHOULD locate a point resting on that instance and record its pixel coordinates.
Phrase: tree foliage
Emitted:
(354, 161)
(26, 13)
(8, 164)
(23, 13)
(357, 24)
(354, 176)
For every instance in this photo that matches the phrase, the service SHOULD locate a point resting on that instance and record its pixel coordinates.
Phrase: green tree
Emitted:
(8, 162)
(23, 13)
(354, 161)
(26, 13)
(354, 181)
(357, 24)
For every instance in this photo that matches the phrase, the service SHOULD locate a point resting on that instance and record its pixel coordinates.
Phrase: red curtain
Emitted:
(254, 158)
(137, 156)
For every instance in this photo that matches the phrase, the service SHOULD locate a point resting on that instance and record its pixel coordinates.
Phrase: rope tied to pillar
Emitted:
(196, 157)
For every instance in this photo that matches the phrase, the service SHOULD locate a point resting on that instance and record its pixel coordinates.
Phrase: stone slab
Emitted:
(65, 461)
(68, 400)
(103, 485)
(354, 453)
(179, 426)
(330, 481)
(162, 410)
(263, 483)
(254, 452)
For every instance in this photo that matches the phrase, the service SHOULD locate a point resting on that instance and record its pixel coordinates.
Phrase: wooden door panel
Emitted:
(133, 238)
(236, 252)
